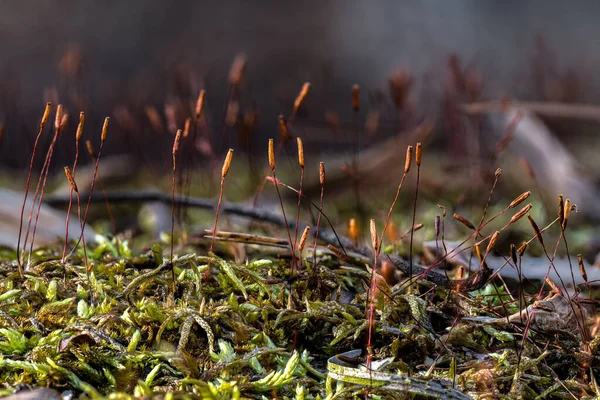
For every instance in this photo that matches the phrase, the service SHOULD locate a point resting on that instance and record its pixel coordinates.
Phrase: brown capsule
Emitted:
(284, 132)
(71, 180)
(372, 123)
(416, 227)
(461, 272)
(464, 221)
(80, 126)
(90, 149)
(478, 252)
(522, 197)
(231, 115)
(418, 154)
(521, 213)
(303, 238)
(536, 229)
(582, 268)
(46, 114)
(352, 229)
(408, 160)
(492, 242)
(522, 248)
(553, 286)
(227, 163)
(63, 122)
(186, 127)
(400, 84)
(561, 209)
(355, 98)
(322, 174)
(566, 214)
(171, 116)
(373, 229)
(200, 104)
(301, 96)
(176, 142)
(338, 253)
(154, 119)
(513, 253)
(271, 155)
(436, 225)
(300, 152)
(237, 70)
(58, 117)
(104, 129)
(498, 172)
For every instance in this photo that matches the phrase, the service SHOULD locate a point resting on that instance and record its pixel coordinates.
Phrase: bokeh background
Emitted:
(415, 62)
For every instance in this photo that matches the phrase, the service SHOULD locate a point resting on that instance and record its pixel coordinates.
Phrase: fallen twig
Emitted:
(547, 109)
(473, 282)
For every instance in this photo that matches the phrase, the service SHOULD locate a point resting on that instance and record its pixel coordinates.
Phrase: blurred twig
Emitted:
(547, 109)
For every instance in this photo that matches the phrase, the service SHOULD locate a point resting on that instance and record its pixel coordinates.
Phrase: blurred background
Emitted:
(417, 64)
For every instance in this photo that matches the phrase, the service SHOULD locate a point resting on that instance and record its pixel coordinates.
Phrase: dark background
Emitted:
(126, 55)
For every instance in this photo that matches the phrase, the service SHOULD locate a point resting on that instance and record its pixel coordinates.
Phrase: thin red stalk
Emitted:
(412, 231)
(174, 157)
(476, 232)
(37, 138)
(212, 243)
(173, 173)
(487, 204)
(455, 252)
(43, 178)
(372, 298)
(285, 220)
(78, 135)
(64, 254)
(298, 211)
(444, 238)
(387, 219)
(569, 258)
(108, 209)
(70, 204)
(582, 329)
(85, 257)
(113, 225)
(189, 168)
(275, 181)
(87, 207)
(355, 162)
(318, 225)
(280, 146)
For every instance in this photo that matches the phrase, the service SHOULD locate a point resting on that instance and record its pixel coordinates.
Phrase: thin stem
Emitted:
(85, 257)
(212, 244)
(387, 220)
(37, 139)
(43, 177)
(64, 255)
(412, 231)
(284, 218)
(318, 225)
(298, 211)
